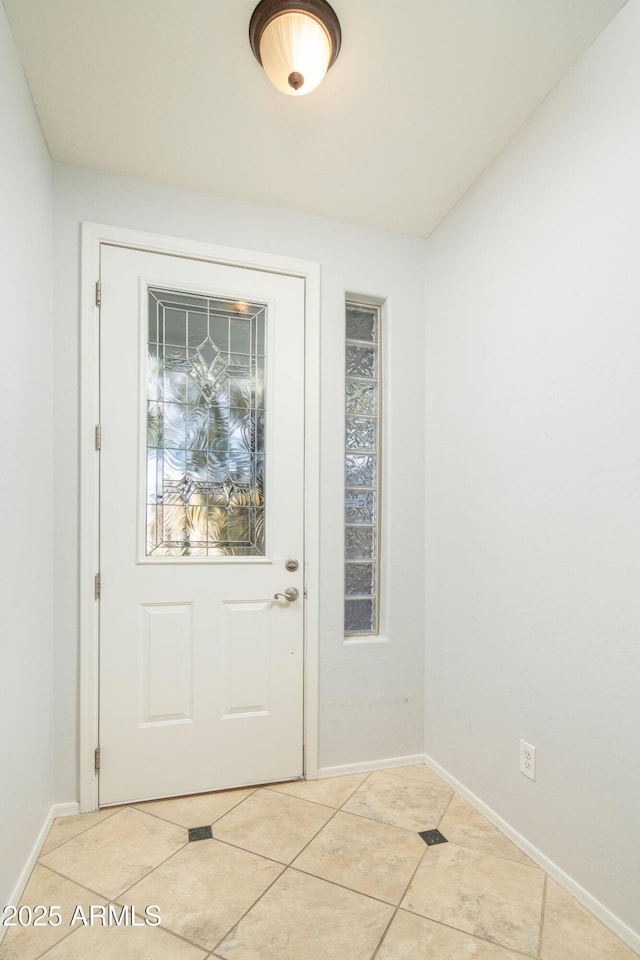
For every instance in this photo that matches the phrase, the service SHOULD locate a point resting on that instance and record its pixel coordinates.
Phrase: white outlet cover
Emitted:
(527, 760)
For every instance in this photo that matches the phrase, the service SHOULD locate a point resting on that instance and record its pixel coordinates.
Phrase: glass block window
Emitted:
(362, 469)
(205, 426)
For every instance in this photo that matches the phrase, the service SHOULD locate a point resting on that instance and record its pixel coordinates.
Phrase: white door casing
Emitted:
(189, 644)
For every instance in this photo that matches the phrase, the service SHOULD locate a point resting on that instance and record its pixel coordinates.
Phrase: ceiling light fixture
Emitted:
(296, 41)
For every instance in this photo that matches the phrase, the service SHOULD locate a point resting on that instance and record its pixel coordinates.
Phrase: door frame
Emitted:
(93, 235)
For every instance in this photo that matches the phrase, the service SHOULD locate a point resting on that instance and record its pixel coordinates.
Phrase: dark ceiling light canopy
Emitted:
(296, 41)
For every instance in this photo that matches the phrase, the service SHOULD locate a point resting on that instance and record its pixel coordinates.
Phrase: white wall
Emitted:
(533, 477)
(26, 556)
(371, 695)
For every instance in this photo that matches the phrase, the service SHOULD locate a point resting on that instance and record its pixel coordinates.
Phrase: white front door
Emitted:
(201, 519)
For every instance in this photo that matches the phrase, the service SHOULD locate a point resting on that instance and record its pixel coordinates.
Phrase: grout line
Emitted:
(76, 883)
(166, 819)
(153, 813)
(467, 933)
(446, 809)
(386, 823)
(355, 789)
(403, 895)
(283, 793)
(169, 932)
(343, 886)
(310, 841)
(76, 835)
(163, 930)
(253, 853)
(384, 934)
(178, 936)
(395, 772)
(41, 956)
(412, 831)
(281, 863)
(248, 910)
(157, 816)
(413, 875)
(321, 803)
(126, 890)
(489, 853)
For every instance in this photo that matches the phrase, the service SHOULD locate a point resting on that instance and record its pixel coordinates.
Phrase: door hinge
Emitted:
(98, 293)
(96, 760)
(98, 436)
(98, 586)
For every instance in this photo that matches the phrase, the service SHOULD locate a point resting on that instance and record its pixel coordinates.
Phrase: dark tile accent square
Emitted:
(200, 833)
(431, 837)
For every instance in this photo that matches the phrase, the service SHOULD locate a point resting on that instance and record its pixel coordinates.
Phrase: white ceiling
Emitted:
(424, 94)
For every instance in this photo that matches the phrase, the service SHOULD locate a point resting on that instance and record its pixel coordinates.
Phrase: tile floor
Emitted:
(325, 870)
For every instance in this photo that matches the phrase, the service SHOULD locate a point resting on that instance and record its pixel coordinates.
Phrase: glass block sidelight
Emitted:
(205, 426)
(362, 469)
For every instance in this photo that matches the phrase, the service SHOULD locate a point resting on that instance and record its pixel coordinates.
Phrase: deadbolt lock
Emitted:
(291, 565)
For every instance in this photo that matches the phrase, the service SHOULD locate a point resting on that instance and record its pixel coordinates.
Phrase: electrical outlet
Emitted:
(527, 760)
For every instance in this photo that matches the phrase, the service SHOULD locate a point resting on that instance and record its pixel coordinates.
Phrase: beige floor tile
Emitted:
(49, 890)
(419, 771)
(372, 858)
(462, 824)
(273, 824)
(332, 792)
(197, 811)
(414, 938)
(124, 943)
(400, 801)
(66, 828)
(118, 852)
(303, 918)
(204, 889)
(489, 897)
(571, 933)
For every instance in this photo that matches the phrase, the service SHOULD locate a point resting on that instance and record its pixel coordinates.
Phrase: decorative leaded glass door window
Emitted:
(205, 489)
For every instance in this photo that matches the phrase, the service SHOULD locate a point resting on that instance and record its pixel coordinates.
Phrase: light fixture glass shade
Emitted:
(295, 50)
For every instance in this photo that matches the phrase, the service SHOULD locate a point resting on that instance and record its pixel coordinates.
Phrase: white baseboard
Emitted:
(57, 810)
(589, 902)
(369, 766)
(64, 810)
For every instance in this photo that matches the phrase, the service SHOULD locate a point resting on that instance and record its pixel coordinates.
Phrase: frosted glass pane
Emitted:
(359, 616)
(154, 425)
(174, 419)
(205, 426)
(175, 382)
(360, 543)
(361, 361)
(360, 506)
(362, 397)
(175, 330)
(361, 434)
(358, 579)
(197, 327)
(155, 381)
(362, 323)
(361, 471)
(240, 337)
(197, 428)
